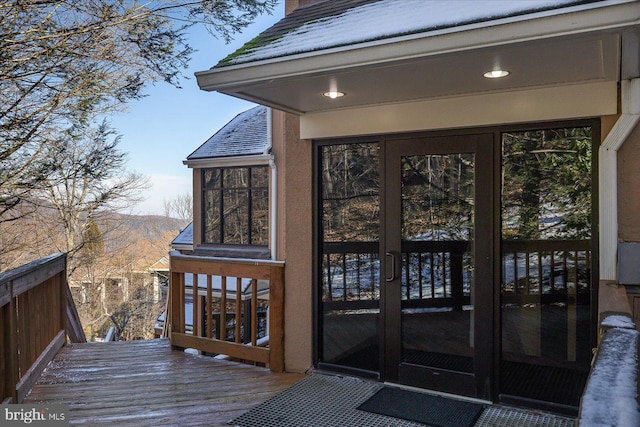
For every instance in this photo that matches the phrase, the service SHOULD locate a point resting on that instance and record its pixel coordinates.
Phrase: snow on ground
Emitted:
(384, 18)
(618, 321)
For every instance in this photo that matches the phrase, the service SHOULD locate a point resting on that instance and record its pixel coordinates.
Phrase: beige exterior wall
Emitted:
(532, 105)
(197, 208)
(293, 159)
(295, 227)
(629, 188)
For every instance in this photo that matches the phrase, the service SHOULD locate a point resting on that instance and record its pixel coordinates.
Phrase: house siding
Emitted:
(629, 188)
(295, 238)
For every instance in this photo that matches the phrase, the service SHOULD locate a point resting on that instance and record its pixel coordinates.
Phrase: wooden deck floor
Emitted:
(142, 383)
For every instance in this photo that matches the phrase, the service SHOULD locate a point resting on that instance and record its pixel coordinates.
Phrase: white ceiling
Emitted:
(551, 62)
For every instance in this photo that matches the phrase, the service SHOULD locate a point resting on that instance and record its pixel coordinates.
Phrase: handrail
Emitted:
(236, 284)
(610, 397)
(36, 313)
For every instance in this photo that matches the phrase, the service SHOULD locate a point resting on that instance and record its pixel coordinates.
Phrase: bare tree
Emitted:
(63, 63)
(87, 177)
(181, 207)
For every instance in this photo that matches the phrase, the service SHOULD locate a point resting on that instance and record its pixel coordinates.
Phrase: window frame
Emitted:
(235, 249)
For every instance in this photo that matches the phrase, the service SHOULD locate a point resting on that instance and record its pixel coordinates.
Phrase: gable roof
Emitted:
(336, 23)
(184, 240)
(567, 43)
(244, 135)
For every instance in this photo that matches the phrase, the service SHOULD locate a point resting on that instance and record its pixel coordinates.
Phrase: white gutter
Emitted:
(586, 18)
(608, 177)
(274, 189)
(217, 162)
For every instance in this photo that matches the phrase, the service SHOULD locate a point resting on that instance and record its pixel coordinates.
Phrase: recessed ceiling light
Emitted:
(333, 94)
(496, 74)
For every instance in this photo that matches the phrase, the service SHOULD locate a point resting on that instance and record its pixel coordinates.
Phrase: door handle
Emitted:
(391, 256)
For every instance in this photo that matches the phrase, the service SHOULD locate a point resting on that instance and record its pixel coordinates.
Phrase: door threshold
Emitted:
(439, 393)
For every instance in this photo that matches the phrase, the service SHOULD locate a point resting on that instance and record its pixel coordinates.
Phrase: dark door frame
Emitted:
(488, 388)
(479, 383)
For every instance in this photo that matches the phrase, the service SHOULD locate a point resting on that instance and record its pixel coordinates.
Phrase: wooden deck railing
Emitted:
(547, 271)
(36, 315)
(230, 277)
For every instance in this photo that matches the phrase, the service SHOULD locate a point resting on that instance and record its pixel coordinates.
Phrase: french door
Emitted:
(460, 263)
(437, 291)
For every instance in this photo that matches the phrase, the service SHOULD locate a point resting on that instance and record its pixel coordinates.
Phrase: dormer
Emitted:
(232, 175)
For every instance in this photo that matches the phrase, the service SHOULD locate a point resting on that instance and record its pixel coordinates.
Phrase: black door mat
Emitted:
(331, 401)
(320, 401)
(435, 411)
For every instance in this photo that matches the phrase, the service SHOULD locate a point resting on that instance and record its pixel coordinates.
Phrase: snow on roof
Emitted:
(337, 23)
(185, 238)
(245, 134)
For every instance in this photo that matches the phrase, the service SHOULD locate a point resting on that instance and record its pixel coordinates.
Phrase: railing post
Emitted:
(62, 286)
(12, 357)
(457, 279)
(276, 319)
(175, 317)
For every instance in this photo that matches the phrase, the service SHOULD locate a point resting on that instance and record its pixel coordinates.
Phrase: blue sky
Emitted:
(161, 130)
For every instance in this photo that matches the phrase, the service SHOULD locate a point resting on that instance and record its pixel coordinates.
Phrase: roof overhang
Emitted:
(232, 161)
(588, 43)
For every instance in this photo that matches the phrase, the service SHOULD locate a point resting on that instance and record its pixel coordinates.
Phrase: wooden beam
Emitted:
(209, 310)
(238, 320)
(220, 268)
(234, 350)
(254, 312)
(276, 319)
(176, 321)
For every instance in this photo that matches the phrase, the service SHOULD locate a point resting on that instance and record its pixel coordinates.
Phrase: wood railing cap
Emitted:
(28, 268)
(251, 261)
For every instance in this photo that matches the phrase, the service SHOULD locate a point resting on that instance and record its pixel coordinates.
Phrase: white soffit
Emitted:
(544, 104)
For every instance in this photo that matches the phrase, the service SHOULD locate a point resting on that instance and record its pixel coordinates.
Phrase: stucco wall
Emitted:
(293, 158)
(197, 208)
(629, 188)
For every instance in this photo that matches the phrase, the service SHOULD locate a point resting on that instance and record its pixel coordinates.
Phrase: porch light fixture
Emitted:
(333, 94)
(496, 74)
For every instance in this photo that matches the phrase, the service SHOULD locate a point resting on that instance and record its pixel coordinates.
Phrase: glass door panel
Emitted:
(438, 273)
(349, 253)
(437, 260)
(546, 264)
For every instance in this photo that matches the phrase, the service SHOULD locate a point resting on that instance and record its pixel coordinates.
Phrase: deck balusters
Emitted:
(249, 297)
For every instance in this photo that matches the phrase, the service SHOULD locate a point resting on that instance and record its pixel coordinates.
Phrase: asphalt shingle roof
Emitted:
(185, 237)
(245, 135)
(335, 23)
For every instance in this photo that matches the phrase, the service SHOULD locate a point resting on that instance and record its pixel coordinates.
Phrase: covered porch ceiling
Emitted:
(588, 45)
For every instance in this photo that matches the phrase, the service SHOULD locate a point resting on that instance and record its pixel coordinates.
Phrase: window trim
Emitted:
(232, 249)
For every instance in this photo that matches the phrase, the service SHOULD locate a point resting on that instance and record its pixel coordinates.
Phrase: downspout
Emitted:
(273, 187)
(608, 177)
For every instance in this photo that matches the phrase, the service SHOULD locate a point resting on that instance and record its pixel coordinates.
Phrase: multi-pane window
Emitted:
(235, 204)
